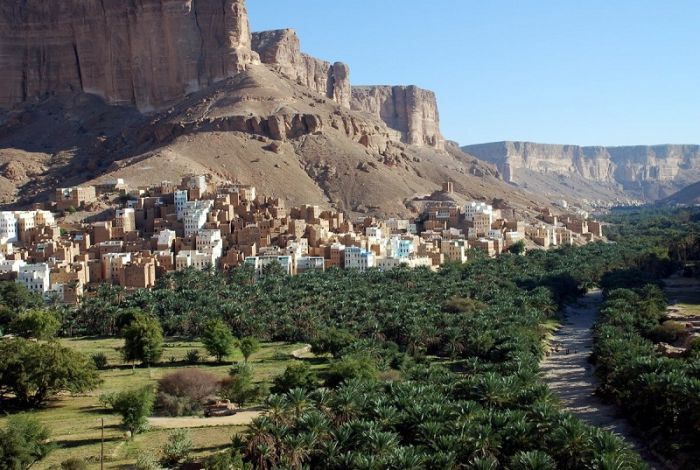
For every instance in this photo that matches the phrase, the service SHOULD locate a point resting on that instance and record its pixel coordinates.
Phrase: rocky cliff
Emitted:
(281, 49)
(146, 53)
(410, 110)
(634, 167)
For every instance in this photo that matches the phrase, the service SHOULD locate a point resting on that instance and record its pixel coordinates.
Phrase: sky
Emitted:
(587, 72)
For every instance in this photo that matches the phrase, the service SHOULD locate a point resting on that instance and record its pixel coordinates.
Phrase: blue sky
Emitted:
(590, 72)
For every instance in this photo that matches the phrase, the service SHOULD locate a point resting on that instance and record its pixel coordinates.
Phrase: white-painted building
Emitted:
(209, 241)
(165, 240)
(470, 210)
(195, 215)
(35, 277)
(181, 198)
(259, 263)
(195, 259)
(310, 263)
(9, 227)
(359, 258)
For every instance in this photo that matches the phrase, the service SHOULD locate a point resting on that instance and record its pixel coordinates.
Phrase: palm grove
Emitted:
(428, 369)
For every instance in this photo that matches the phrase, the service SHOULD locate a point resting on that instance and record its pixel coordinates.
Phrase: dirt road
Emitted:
(570, 376)
(241, 418)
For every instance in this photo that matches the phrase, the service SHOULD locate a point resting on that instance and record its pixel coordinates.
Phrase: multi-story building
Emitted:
(9, 226)
(35, 277)
(125, 219)
(195, 215)
(358, 258)
(455, 250)
(180, 197)
(259, 263)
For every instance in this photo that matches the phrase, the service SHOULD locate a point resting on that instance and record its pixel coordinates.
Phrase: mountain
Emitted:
(151, 90)
(688, 196)
(641, 172)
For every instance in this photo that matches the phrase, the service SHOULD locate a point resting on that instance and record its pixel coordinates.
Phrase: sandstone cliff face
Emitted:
(630, 166)
(147, 53)
(410, 110)
(281, 49)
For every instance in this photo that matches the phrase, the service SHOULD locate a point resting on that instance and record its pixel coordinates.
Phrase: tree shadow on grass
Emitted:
(71, 444)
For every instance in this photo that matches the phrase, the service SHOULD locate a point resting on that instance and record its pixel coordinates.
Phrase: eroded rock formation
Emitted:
(631, 166)
(410, 110)
(281, 49)
(147, 53)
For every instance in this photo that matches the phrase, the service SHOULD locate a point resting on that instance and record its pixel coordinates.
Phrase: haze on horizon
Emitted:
(586, 73)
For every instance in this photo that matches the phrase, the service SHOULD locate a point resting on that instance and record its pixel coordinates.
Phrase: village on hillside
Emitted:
(172, 227)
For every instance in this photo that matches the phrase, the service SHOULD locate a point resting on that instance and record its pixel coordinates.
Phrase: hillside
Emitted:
(240, 106)
(646, 173)
(688, 196)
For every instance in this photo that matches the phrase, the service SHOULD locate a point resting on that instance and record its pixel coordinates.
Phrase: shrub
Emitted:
(193, 356)
(667, 332)
(239, 386)
(332, 341)
(184, 392)
(135, 406)
(177, 449)
(227, 460)
(146, 461)
(23, 442)
(296, 375)
(74, 464)
(100, 360)
(351, 367)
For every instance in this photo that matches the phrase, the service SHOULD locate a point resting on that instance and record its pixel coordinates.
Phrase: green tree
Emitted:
(351, 367)
(177, 449)
(332, 341)
(134, 406)
(23, 442)
(34, 372)
(143, 340)
(296, 375)
(240, 388)
(218, 339)
(36, 323)
(249, 346)
(517, 248)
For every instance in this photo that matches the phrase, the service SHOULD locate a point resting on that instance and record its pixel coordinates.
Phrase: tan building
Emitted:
(74, 197)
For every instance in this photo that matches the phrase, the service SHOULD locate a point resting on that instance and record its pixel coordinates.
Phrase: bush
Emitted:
(100, 360)
(226, 460)
(23, 442)
(177, 449)
(239, 386)
(146, 461)
(74, 464)
(135, 406)
(332, 341)
(667, 332)
(351, 367)
(184, 393)
(193, 356)
(296, 375)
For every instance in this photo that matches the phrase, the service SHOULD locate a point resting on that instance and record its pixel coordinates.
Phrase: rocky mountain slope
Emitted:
(688, 196)
(169, 87)
(643, 172)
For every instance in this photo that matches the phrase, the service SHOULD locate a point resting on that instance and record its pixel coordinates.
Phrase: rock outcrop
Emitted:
(281, 49)
(410, 110)
(146, 53)
(633, 167)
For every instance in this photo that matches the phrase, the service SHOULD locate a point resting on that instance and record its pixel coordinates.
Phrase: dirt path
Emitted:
(241, 418)
(570, 376)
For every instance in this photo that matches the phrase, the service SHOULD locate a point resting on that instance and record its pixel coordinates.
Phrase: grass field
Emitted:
(75, 421)
(683, 295)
